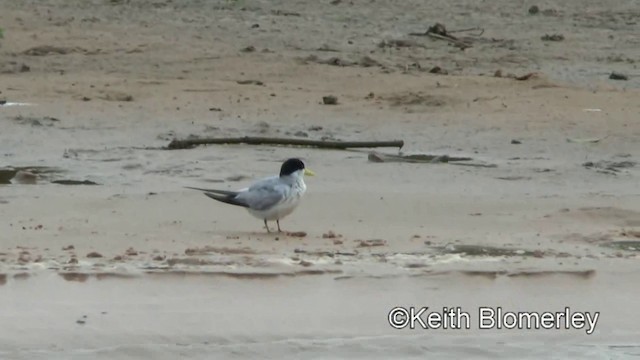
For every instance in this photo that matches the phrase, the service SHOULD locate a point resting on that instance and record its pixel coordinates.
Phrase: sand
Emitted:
(137, 266)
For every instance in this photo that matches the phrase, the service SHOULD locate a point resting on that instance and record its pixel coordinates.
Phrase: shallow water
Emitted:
(313, 317)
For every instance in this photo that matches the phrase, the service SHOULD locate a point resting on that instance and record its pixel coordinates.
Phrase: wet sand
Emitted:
(137, 266)
(166, 316)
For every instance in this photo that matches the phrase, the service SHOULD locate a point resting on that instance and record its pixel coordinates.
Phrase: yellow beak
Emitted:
(308, 172)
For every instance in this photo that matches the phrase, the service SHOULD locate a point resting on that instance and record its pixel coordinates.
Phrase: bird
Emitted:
(271, 198)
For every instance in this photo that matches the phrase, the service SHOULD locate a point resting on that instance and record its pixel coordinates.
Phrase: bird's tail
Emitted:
(229, 199)
(223, 192)
(224, 196)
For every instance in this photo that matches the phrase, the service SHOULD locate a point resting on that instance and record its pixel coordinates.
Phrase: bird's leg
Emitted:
(267, 226)
(278, 222)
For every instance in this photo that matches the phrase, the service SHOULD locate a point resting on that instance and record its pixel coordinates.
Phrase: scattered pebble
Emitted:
(370, 243)
(552, 37)
(24, 257)
(330, 235)
(94, 254)
(329, 100)
(24, 177)
(438, 70)
(618, 76)
(297, 233)
(250, 82)
(116, 96)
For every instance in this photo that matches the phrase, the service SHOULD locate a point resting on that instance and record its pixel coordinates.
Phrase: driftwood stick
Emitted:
(426, 159)
(439, 31)
(481, 30)
(459, 43)
(189, 143)
(418, 158)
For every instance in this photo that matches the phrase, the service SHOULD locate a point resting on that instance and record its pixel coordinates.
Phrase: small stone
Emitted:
(329, 235)
(301, 134)
(296, 233)
(618, 76)
(24, 177)
(329, 100)
(438, 70)
(552, 37)
(94, 254)
(516, 142)
(533, 10)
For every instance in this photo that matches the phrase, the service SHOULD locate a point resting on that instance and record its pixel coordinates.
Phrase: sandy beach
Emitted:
(104, 254)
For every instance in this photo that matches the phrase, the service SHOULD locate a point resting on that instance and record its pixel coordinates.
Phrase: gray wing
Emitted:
(265, 193)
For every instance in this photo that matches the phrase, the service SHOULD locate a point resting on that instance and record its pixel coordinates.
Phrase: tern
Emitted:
(271, 198)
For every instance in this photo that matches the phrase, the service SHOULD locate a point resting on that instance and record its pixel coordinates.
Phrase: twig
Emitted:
(439, 31)
(419, 158)
(463, 45)
(469, 29)
(426, 159)
(189, 143)
(474, 165)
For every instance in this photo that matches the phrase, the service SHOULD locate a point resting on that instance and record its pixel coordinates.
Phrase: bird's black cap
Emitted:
(290, 166)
